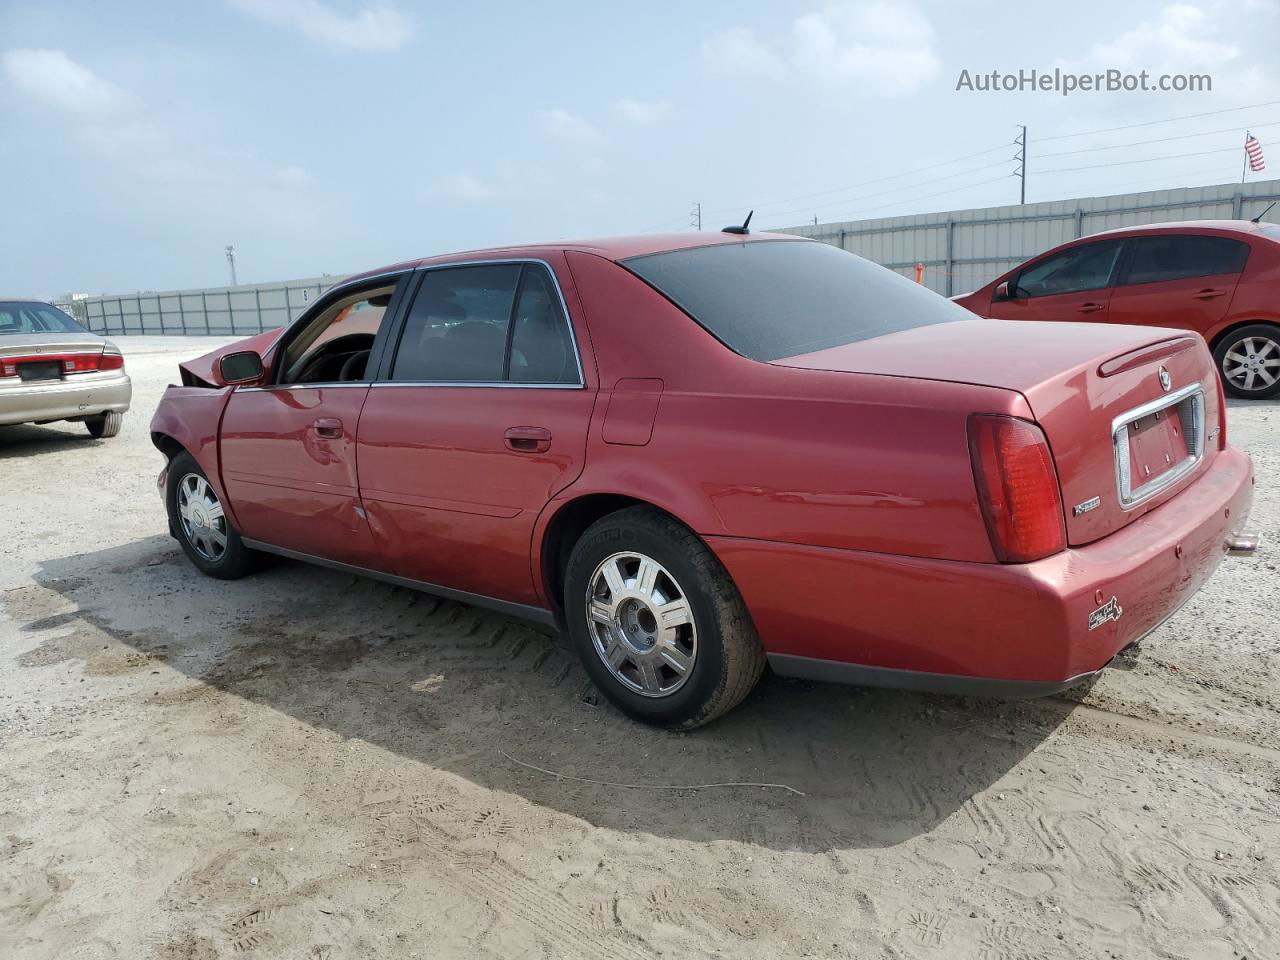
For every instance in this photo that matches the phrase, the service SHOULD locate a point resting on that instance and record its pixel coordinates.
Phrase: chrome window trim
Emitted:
(1131, 497)
(504, 384)
(537, 385)
(336, 385)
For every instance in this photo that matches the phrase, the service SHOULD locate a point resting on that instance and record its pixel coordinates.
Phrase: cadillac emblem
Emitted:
(1166, 381)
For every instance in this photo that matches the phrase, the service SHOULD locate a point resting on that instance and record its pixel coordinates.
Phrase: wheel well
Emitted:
(167, 445)
(566, 527)
(1222, 335)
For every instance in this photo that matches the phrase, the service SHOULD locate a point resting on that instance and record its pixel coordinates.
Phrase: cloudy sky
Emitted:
(333, 135)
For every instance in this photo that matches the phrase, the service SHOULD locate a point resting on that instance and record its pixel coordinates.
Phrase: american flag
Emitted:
(1253, 150)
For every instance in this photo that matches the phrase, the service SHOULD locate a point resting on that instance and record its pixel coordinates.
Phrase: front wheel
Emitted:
(659, 625)
(202, 525)
(1248, 361)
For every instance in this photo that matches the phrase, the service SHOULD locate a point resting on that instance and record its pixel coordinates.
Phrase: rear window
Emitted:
(1164, 257)
(18, 316)
(769, 299)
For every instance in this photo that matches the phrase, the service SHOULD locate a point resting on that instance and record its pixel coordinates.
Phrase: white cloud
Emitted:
(464, 186)
(642, 113)
(739, 52)
(52, 79)
(571, 129)
(374, 28)
(1181, 33)
(173, 163)
(887, 48)
(1201, 37)
(864, 45)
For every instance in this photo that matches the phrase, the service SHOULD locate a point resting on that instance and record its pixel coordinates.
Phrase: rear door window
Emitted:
(1165, 257)
(488, 323)
(1089, 266)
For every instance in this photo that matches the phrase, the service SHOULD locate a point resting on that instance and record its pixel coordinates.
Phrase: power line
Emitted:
(1150, 123)
(881, 193)
(864, 183)
(1139, 143)
(926, 196)
(1125, 163)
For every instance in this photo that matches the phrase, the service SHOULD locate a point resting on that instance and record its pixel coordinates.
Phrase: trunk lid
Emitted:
(34, 344)
(1088, 386)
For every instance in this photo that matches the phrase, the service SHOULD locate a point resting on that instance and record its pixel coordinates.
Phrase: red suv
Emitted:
(1218, 278)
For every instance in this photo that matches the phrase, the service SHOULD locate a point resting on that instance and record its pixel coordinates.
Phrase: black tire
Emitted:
(234, 560)
(729, 658)
(1232, 344)
(104, 424)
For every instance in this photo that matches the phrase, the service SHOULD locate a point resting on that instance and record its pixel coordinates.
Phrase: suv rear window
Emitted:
(769, 299)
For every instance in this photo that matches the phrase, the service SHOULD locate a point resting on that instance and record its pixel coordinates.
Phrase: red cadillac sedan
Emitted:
(1216, 278)
(701, 453)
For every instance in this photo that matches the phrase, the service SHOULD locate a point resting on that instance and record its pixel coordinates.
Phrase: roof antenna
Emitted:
(747, 222)
(1257, 219)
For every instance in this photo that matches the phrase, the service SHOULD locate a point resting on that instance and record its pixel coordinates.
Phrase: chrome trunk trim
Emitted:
(1191, 415)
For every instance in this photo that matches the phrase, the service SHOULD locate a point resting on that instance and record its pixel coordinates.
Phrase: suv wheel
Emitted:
(202, 525)
(1248, 361)
(660, 627)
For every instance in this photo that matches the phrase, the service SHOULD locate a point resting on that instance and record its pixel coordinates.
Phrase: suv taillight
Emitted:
(1017, 488)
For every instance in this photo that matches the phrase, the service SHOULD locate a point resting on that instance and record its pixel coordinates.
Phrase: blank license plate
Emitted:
(1156, 444)
(40, 371)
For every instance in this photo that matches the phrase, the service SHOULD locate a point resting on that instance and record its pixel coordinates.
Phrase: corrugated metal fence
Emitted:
(963, 249)
(960, 251)
(242, 310)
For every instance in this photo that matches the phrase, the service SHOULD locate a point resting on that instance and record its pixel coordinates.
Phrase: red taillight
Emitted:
(1017, 488)
(71, 362)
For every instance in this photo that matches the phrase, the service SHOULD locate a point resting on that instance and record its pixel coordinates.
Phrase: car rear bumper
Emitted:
(82, 395)
(984, 628)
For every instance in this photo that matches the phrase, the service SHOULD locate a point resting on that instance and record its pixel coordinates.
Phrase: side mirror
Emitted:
(242, 367)
(1003, 291)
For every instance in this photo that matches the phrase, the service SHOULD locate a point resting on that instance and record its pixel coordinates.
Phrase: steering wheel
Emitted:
(353, 368)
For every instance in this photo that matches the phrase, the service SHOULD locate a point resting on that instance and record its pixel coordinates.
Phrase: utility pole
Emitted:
(231, 259)
(695, 216)
(1021, 157)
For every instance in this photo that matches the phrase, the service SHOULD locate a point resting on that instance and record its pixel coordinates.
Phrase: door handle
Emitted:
(528, 439)
(328, 427)
(1208, 293)
(1089, 307)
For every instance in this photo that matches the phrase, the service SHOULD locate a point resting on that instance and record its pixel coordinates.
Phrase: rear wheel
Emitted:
(104, 424)
(1248, 361)
(202, 525)
(659, 625)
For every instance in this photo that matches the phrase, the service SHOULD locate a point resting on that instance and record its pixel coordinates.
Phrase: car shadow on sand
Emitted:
(491, 699)
(30, 440)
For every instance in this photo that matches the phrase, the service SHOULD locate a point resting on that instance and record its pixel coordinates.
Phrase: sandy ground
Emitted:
(309, 765)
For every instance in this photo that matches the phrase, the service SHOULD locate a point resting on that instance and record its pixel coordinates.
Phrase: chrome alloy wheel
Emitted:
(1252, 364)
(641, 624)
(202, 518)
